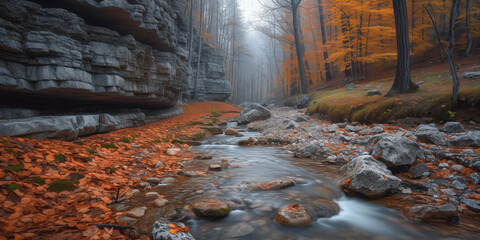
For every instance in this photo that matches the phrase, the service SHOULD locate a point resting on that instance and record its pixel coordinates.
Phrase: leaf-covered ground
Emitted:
(52, 189)
(432, 100)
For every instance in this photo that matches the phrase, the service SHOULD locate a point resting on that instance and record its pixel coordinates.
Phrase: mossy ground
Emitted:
(432, 100)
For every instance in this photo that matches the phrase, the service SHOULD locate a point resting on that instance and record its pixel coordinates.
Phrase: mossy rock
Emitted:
(11, 187)
(63, 185)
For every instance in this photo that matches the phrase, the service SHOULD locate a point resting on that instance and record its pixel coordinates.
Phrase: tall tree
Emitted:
(451, 46)
(199, 55)
(469, 32)
(402, 83)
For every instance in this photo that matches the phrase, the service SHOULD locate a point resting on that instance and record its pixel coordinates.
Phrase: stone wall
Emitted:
(64, 57)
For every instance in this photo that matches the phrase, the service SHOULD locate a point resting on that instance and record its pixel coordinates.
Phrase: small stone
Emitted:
(458, 185)
(457, 167)
(214, 130)
(472, 204)
(173, 151)
(137, 212)
(127, 220)
(295, 215)
(256, 205)
(160, 202)
(210, 208)
(231, 132)
(417, 170)
(143, 184)
(204, 157)
(443, 165)
(475, 178)
(152, 195)
(215, 167)
(167, 180)
(407, 191)
(258, 223)
(159, 164)
(453, 127)
(448, 191)
(153, 180)
(239, 230)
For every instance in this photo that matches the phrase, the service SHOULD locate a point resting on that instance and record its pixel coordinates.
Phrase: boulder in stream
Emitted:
(322, 208)
(210, 208)
(231, 132)
(294, 215)
(253, 112)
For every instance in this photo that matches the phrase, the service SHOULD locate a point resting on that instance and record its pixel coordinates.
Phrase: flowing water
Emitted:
(357, 219)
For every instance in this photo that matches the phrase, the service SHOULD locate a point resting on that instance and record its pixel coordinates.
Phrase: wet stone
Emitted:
(137, 212)
(295, 215)
(167, 180)
(152, 195)
(127, 220)
(160, 202)
(204, 157)
(231, 132)
(153, 180)
(239, 230)
(215, 167)
(267, 185)
(322, 208)
(210, 208)
(214, 130)
(427, 212)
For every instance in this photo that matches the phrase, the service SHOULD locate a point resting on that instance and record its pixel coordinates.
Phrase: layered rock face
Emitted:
(68, 56)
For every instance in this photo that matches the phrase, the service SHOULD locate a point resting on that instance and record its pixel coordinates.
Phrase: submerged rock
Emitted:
(267, 185)
(367, 176)
(428, 212)
(295, 216)
(210, 208)
(231, 132)
(239, 230)
(322, 208)
(161, 231)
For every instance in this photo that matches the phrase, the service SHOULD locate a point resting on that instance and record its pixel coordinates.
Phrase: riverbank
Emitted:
(58, 189)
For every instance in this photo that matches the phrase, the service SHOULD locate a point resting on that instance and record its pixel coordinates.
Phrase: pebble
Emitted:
(239, 230)
(457, 167)
(160, 202)
(448, 191)
(173, 151)
(458, 185)
(152, 194)
(215, 167)
(475, 178)
(259, 223)
(137, 212)
(167, 180)
(159, 164)
(443, 165)
(153, 180)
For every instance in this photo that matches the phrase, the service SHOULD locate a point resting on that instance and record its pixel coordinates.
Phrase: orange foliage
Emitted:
(60, 189)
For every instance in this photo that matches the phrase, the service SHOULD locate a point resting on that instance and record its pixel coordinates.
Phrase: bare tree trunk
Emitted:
(298, 45)
(403, 83)
(451, 48)
(200, 39)
(328, 72)
(469, 32)
(451, 45)
(190, 48)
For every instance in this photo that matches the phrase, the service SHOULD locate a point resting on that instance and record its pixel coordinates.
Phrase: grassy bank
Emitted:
(432, 100)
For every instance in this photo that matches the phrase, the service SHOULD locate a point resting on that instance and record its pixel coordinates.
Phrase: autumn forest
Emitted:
(239, 119)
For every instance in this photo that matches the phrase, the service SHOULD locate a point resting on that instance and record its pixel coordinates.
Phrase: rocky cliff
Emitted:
(69, 56)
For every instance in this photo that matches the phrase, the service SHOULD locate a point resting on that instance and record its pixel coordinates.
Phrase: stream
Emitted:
(358, 219)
